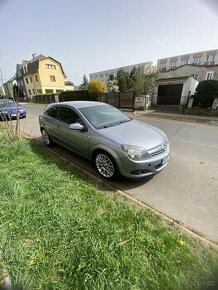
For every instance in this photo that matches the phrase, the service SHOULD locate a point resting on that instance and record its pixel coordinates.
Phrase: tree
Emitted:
(123, 80)
(95, 88)
(84, 84)
(113, 86)
(111, 77)
(142, 79)
(206, 92)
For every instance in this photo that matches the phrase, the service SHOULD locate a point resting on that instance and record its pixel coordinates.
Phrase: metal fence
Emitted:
(121, 100)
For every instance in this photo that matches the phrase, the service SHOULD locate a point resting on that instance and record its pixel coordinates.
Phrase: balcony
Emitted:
(209, 62)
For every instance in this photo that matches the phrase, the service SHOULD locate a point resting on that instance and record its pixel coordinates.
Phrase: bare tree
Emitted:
(11, 130)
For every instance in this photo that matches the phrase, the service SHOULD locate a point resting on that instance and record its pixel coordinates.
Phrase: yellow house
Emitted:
(43, 75)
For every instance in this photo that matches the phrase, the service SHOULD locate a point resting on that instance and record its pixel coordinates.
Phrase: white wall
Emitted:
(188, 89)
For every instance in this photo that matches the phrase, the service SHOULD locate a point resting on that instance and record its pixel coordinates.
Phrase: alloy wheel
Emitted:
(46, 137)
(105, 166)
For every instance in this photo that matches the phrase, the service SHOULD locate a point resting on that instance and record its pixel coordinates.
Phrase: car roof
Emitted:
(80, 104)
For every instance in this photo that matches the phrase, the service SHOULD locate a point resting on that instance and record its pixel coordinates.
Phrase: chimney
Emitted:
(33, 55)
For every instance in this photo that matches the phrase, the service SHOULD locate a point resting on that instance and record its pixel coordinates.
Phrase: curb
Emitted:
(186, 118)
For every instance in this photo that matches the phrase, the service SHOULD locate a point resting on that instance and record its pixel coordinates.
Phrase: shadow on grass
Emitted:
(84, 168)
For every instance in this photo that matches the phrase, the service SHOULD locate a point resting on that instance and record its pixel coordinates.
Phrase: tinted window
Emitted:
(68, 116)
(104, 116)
(6, 103)
(52, 112)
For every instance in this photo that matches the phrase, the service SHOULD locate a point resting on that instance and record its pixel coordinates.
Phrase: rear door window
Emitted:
(68, 116)
(52, 112)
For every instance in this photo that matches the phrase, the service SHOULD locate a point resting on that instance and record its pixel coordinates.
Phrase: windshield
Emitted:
(104, 116)
(8, 104)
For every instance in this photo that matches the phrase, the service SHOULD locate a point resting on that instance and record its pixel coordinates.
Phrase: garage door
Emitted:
(169, 94)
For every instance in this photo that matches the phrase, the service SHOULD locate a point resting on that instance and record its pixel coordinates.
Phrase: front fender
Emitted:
(114, 153)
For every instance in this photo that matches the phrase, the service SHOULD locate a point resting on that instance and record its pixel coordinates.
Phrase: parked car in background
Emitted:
(116, 143)
(9, 109)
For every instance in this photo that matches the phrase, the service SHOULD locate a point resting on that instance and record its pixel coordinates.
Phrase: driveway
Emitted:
(187, 190)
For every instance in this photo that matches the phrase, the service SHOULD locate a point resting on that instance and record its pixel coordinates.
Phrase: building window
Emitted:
(33, 92)
(50, 66)
(52, 78)
(29, 92)
(210, 57)
(196, 60)
(31, 80)
(27, 80)
(173, 63)
(36, 77)
(209, 75)
(48, 91)
(163, 65)
(184, 61)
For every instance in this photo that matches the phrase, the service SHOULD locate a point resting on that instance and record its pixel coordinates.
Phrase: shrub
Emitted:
(207, 91)
(96, 87)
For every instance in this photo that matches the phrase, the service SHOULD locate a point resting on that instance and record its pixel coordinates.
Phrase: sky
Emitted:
(88, 36)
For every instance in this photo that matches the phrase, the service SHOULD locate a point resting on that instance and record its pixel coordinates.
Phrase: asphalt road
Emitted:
(187, 189)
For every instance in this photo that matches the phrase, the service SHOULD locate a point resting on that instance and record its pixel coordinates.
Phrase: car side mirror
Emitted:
(77, 126)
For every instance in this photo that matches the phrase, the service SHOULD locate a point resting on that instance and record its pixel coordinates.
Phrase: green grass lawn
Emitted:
(59, 231)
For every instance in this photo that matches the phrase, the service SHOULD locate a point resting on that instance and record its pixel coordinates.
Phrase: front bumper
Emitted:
(138, 169)
(12, 115)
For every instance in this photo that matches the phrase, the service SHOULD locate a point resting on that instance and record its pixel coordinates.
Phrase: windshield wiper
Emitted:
(113, 124)
(124, 121)
(108, 125)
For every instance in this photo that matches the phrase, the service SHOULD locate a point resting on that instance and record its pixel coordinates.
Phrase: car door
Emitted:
(49, 121)
(76, 140)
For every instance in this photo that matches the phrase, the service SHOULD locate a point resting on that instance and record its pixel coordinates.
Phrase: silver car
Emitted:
(116, 143)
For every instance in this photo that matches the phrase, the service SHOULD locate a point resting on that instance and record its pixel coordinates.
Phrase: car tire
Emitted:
(105, 165)
(46, 138)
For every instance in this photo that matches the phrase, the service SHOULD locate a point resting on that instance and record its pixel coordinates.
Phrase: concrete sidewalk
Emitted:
(209, 120)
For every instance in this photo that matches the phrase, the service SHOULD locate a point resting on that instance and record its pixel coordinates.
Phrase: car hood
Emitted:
(135, 133)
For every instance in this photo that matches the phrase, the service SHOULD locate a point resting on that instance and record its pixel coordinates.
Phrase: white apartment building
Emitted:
(179, 76)
(104, 75)
(206, 58)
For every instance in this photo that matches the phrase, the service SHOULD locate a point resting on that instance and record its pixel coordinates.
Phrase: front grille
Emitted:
(140, 171)
(158, 150)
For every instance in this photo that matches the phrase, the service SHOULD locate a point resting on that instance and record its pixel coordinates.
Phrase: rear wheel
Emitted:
(106, 165)
(46, 138)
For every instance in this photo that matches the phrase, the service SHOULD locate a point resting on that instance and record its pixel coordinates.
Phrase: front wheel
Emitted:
(106, 166)
(46, 138)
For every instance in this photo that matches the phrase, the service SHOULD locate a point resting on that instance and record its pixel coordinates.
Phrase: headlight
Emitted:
(135, 152)
(165, 143)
